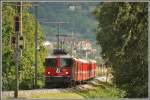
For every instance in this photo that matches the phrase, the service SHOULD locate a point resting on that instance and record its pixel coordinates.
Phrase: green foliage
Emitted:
(27, 58)
(40, 84)
(123, 35)
(7, 53)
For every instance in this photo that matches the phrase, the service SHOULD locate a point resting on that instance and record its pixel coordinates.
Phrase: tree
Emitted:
(27, 59)
(122, 32)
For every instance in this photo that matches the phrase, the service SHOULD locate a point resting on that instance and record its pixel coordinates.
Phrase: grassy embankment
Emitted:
(104, 90)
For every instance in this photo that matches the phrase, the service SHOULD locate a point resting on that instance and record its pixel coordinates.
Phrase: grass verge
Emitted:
(65, 95)
(104, 90)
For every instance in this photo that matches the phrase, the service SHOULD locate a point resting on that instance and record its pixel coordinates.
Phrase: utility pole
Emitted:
(1, 51)
(86, 54)
(18, 30)
(62, 36)
(58, 39)
(72, 44)
(36, 45)
(58, 30)
(17, 66)
(21, 34)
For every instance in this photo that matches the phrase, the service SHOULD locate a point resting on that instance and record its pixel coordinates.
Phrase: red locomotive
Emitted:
(61, 68)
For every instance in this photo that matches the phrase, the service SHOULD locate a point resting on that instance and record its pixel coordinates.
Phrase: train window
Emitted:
(66, 62)
(50, 62)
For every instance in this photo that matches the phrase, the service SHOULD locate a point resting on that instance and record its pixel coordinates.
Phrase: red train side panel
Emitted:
(83, 70)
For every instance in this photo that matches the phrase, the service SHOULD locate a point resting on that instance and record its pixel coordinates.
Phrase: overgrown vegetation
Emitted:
(105, 90)
(123, 34)
(27, 60)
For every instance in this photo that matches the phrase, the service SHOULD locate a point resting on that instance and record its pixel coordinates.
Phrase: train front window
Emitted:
(63, 62)
(66, 62)
(50, 62)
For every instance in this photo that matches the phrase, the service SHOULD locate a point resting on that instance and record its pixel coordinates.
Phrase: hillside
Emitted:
(79, 17)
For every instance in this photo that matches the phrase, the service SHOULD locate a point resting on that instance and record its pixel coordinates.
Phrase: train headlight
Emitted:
(66, 72)
(48, 72)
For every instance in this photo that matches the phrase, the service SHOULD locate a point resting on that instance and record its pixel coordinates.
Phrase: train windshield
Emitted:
(63, 62)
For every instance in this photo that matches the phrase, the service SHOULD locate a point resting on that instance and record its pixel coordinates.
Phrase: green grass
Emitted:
(58, 95)
(103, 91)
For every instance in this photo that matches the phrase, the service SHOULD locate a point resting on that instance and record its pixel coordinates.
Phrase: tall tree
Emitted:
(27, 59)
(123, 34)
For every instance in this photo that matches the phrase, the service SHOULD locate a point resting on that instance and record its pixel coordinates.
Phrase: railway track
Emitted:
(81, 87)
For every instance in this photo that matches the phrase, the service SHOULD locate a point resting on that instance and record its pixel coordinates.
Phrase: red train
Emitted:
(64, 69)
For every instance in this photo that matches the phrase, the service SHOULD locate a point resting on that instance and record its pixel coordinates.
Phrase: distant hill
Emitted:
(81, 21)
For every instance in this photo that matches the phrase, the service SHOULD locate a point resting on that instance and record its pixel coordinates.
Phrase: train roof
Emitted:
(92, 61)
(85, 61)
(69, 56)
(82, 60)
(61, 56)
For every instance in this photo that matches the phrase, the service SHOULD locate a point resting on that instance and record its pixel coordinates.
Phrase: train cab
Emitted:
(58, 69)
